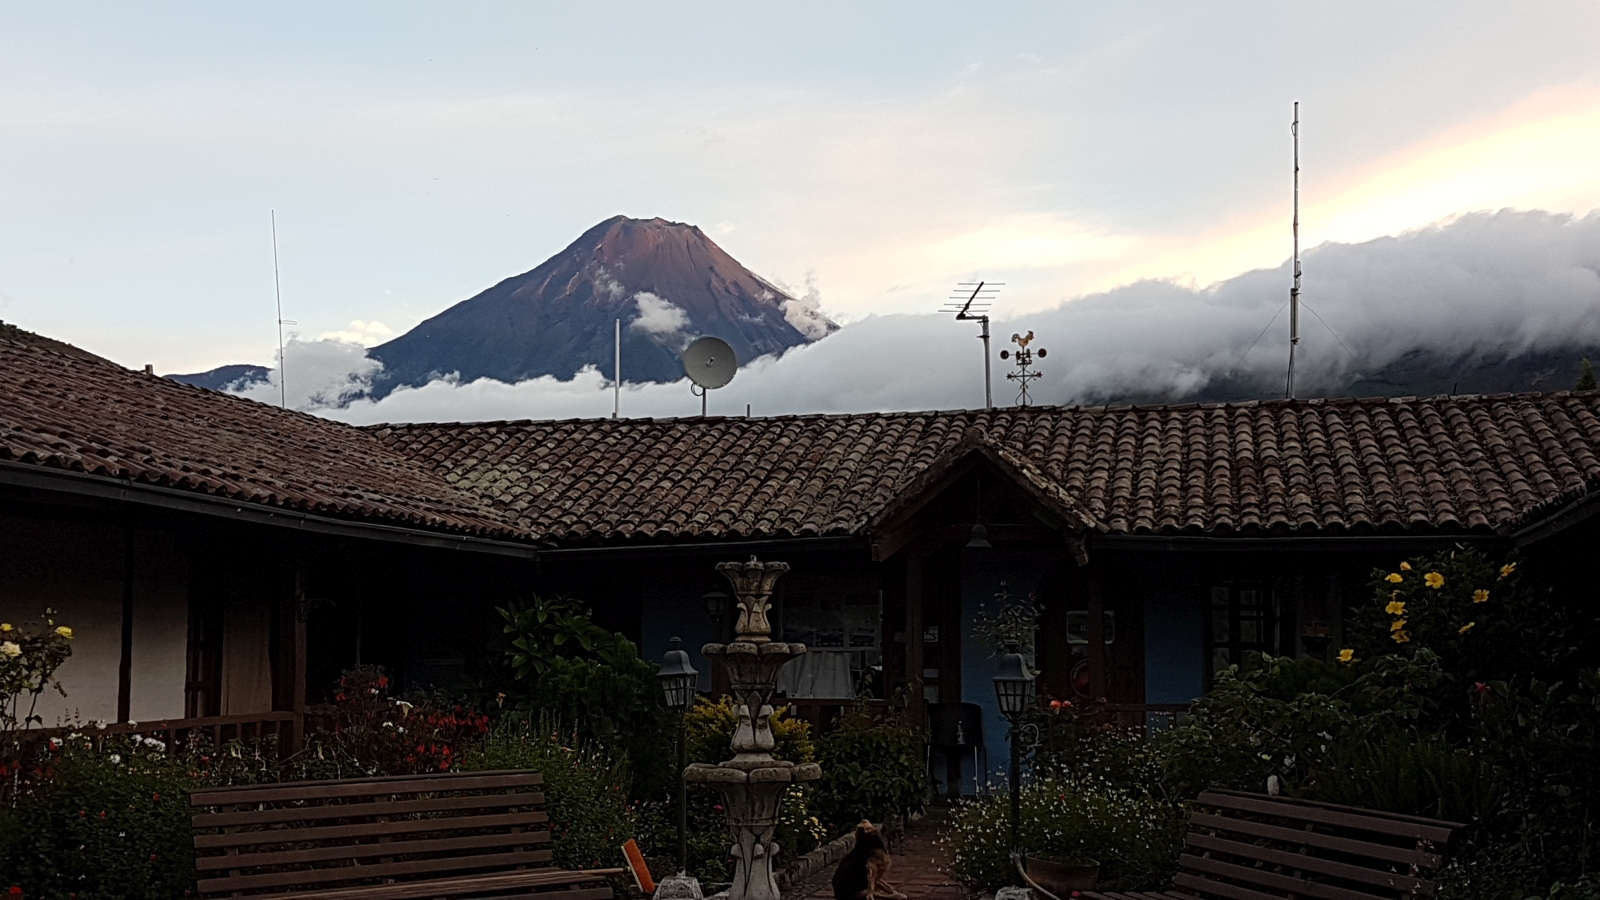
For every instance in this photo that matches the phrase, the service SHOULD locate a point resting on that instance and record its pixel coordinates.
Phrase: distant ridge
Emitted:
(224, 378)
(667, 281)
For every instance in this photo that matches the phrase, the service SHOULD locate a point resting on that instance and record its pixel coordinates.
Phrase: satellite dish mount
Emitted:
(710, 363)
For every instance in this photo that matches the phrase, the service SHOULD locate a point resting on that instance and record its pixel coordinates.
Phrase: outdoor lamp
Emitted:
(979, 539)
(1013, 685)
(678, 683)
(678, 678)
(1013, 688)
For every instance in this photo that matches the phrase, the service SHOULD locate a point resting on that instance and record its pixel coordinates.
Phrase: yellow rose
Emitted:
(1347, 655)
(10, 649)
(6, 626)
(1480, 596)
(1405, 567)
(1395, 578)
(1397, 624)
(65, 632)
(1396, 608)
(1466, 628)
(1401, 637)
(1433, 580)
(1507, 569)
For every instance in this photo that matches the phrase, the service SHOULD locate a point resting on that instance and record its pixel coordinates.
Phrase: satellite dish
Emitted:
(710, 362)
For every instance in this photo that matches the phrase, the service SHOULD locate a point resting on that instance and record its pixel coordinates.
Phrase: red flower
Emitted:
(157, 797)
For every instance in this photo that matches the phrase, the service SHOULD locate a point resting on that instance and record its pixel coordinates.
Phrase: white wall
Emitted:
(76, 568)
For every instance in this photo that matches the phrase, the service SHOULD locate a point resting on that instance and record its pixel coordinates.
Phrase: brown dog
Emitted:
(862, 874)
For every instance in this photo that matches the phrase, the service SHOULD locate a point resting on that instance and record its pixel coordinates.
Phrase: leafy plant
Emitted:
(1012, 623)
(870, 770)
(710, 725)
(29, 657)
(368, 732)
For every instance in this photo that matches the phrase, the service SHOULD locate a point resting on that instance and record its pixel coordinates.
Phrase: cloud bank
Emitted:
(1479, 287)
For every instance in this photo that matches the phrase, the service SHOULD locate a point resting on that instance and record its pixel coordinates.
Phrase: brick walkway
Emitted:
(918, 867)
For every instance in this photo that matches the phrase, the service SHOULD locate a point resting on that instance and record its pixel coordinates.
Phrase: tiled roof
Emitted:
(1446, 464)
(95, 417)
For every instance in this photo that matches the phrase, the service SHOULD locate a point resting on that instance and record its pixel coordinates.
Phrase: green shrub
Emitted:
(110, 823)
(1133, 836)
(711, 723)
(586, 791)
(869, 770)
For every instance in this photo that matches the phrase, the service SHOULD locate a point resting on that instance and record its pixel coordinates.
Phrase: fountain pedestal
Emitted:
(752, 784)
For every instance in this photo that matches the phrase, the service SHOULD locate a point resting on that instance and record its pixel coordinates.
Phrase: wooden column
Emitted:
(125, 661)
(301, 607)
(1097, 631)
(917, 708)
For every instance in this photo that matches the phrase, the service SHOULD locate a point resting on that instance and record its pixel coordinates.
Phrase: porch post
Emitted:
(297, 728)
(1097, 632)
(916, 707)
(125, 659)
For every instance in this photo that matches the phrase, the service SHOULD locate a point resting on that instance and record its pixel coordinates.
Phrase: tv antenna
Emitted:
(1023, 374)
(709, 362)
(1294, 291)
(277, 291)
(970, 302)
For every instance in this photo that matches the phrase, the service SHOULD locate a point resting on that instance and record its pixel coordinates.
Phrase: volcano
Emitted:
(666, 281)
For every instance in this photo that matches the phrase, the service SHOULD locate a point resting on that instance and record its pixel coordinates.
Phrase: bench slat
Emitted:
(1219, 889)
(468, 885)
(371, 829)
(1408, 827)
(358, 810)
(380, 870)
(1386, 852)
(365, 850)
(1301, 887)
(279, 792)
(1307, 863)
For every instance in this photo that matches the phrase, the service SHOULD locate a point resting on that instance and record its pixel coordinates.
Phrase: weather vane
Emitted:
(1023, 374)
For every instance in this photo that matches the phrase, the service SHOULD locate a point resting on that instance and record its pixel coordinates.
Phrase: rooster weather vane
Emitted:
(1023, 374)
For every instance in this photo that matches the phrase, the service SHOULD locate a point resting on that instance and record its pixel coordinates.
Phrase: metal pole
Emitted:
(988, 392)
(616, 375)
(277, 292)
(1016, 787)
(683, 796)
(1294, 292)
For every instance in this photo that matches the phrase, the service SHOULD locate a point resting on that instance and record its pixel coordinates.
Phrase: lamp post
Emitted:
(1013, 688)
(678, 682)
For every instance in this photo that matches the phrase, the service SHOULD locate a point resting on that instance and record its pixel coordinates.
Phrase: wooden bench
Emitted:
(1254, 847)
(480, 835)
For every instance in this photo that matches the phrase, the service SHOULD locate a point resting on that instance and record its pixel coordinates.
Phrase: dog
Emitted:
(862, 874)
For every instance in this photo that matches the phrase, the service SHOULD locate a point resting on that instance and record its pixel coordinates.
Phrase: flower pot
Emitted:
(1062, 879)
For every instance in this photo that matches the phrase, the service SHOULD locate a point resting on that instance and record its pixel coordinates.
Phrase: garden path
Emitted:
(919, 867)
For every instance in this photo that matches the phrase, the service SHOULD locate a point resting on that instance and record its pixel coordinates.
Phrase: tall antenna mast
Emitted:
(981, 295)
(1294, 291)
(616, 374)
(277, 291)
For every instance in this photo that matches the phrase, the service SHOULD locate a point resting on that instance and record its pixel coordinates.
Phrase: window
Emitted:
(1240, 620)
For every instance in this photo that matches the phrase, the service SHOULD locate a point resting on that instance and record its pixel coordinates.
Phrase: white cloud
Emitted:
(1477, 287)
(366, 333)
(805, 312)
(661, 319)
(320, 374)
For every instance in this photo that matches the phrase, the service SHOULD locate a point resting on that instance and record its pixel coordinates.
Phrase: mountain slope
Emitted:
(666, 281)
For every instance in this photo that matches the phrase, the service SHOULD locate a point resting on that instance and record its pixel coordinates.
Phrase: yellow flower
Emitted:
(1466, 628)
(1507, 569)
(1401, 637)
(1395, 578)
(1347, 655)
(65, 632)
(1433, 580)
(1396, 608)
(1480, 596)
(10, 649)
(6, 626)
(1397, 624)
(1405, 567)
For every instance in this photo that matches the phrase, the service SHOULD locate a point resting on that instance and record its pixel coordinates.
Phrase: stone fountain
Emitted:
(752, 784)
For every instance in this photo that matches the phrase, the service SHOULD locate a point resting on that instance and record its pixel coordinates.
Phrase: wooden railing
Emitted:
(253, 729)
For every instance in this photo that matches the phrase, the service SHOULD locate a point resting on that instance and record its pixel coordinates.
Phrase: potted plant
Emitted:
(1061, 874)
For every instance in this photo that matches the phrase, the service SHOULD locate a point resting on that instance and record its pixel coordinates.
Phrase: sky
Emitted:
(1089, 154)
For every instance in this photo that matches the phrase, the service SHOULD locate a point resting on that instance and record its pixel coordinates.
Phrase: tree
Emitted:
(1586, 379)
